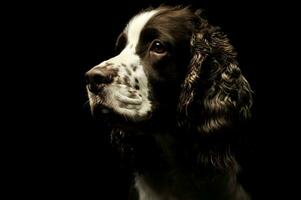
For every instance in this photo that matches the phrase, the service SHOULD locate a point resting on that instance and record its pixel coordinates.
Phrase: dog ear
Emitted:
(214, 93)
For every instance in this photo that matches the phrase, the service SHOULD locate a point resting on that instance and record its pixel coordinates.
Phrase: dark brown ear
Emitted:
(214, 94)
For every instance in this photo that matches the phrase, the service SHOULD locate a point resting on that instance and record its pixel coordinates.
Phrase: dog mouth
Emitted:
(117, 106)
(111, 118)
(129, 100)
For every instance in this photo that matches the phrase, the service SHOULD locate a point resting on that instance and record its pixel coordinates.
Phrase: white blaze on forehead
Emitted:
(135, 26)
(129, 66)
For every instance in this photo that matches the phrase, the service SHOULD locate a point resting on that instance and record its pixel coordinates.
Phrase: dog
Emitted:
(172, 96)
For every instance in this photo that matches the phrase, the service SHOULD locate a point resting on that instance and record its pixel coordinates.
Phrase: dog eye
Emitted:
(158, 47)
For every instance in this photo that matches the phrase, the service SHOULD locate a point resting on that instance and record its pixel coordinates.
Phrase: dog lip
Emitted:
(129, 100)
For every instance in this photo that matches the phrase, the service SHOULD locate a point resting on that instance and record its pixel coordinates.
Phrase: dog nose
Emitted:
(97, 78)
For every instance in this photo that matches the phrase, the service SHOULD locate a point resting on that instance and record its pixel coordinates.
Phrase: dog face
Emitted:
(148, 69)
(172, 64)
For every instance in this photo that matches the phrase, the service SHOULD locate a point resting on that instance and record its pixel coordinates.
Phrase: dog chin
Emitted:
(117, 117)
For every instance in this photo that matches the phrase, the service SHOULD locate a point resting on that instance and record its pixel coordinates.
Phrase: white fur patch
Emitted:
(135, 26)
(128, 95)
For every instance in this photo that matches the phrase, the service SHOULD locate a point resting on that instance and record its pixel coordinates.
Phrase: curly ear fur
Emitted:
(214, 94)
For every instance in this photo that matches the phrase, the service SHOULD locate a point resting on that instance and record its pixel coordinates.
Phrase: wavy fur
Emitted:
(214, 94)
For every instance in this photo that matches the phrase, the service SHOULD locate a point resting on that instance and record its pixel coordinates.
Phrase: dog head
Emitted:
(173, 62)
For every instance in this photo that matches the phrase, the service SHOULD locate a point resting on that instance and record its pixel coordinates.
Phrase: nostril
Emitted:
(94, 88)
(96, 78)
(99, 78)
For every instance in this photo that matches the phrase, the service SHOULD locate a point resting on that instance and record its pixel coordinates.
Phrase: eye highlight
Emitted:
(158, 47)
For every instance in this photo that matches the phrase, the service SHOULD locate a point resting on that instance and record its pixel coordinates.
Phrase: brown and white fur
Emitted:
(173, 96)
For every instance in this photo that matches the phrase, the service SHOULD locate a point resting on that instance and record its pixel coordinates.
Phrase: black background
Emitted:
(55, 149)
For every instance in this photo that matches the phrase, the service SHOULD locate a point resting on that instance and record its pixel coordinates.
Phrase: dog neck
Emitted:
(179, 184)
(162, 171)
